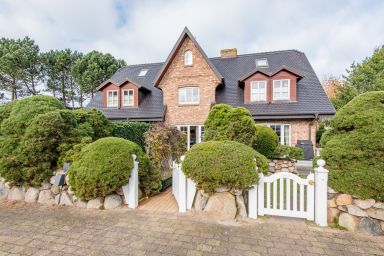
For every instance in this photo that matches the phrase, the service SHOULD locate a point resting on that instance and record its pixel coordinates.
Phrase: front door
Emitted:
(194, 134)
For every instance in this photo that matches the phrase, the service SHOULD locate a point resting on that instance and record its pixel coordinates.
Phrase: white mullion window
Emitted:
(281, 89)
(189, 95)
(128, 98)
(112, 98)
(283, 132)
(258, 90)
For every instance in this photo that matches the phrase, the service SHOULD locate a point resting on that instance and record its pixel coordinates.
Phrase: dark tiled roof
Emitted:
(311, 98)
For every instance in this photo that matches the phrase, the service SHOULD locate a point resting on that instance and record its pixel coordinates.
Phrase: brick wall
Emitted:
(177, 75)
(112, 87)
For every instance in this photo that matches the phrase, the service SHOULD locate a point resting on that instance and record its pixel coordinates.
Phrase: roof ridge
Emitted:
(269, 52)
(141, 64)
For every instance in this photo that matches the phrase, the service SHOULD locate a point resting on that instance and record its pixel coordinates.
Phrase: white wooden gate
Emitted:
(287, 194)
(131, 190)
(183, 188)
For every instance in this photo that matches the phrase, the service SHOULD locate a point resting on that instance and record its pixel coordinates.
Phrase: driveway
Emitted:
(38, 230)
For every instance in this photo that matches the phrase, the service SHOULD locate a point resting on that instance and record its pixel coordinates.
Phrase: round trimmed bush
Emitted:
(354, 150)
(231, 164)
(266, 140)
(104, 166)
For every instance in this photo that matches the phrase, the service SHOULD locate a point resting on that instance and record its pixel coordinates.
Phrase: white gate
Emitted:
(183, 189)
(131, 190)
(287, 194)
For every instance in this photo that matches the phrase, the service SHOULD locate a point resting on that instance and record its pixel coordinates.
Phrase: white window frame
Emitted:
(185, 89)
(200, 136)
(282, 142)
(188, 58)
(281, 88)
(143, 72)
(112, 100)
(257, 84)
(133, 98)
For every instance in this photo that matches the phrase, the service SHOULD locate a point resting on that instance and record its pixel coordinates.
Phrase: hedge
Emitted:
(231, 164)
(133, 131)
(288, 152)
(354, 150)
(266, 140)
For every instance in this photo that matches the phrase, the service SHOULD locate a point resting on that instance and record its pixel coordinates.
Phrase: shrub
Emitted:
(227, 123)
(5, 110)
(325, 137)
(354, 152)
(164, 144)
(133, 131)
(103, 167)
(266, 140)
(223, 163)
(288, 152)
(92, 123)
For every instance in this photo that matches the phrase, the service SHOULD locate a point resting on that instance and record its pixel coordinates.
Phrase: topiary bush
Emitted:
(5, 110)
(92, 123)
(104, 166)
(288, 153)
(133, 131)
(266, 140)
(227, 123)
(354, 151)
(231, 164)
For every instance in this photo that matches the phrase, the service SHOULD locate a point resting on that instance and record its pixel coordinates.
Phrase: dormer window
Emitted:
(188, 58)
(281, 89)
(262, 63)
(259, 90)
(112, 99)
(128, 98)
(143, 72)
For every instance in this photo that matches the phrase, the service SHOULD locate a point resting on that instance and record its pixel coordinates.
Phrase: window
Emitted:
(262, 63)
(128, 98)
(283, 131)
(281, 89)
(258, 90)
(189, 95)
(112, 99)
(195, 134)
(188, 58)
(143, 72)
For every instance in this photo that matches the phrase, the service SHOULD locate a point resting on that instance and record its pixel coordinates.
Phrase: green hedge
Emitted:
(133, 131)
(354, 150)
(103, 167)
(223, 163)
(266, 140)
(288, 152)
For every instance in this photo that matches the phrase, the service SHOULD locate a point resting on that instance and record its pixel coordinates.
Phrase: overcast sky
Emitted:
(333, 33)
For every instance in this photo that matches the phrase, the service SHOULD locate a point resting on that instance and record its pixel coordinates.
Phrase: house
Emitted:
(279, 88)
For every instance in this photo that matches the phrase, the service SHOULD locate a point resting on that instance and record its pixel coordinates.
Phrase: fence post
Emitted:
(260, 195)
(252, 202)
(321, 194)
(133, 185)
(182, 188)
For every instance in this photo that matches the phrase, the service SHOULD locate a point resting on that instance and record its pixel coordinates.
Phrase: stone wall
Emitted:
(280, 165)
(355, 214)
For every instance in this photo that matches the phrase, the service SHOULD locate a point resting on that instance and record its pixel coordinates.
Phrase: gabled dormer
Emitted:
(263, 86)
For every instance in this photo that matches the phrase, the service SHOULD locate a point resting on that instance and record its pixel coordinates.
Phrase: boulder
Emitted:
(120, 192)
(342, 208)
(221, 189)
(221, 206)
(344, 199)
(46, 197)
(370, 226)
(63, 199)
(382, 225)
(332, 203)
(78, 202)
(112, 201)
(3, 191)
(241, 208)
(45, 185)
(348, 221)
(331, 191)
(376, 213)
(96, 203)
(332, 214)
(52, 180)
(197, 202)
(32, 195)
(16, 193)
(364, 204)
(237, 192)
(356, 211)
(70, 191)
(379, 205)
(55, 190)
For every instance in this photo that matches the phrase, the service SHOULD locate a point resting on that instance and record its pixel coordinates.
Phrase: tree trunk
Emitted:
(14, 90)
(63, 90)
(81, 98)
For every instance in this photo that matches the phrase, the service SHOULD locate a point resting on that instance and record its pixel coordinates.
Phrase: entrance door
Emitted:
(194, 133)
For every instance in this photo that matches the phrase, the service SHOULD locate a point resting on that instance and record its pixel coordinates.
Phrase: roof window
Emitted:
(143, 72)
(261, 63)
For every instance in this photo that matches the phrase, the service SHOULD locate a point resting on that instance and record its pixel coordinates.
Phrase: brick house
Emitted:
(279, 88)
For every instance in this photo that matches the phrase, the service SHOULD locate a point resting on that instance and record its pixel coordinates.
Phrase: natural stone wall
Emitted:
(50, 194)
(355, 214)
(280, 165)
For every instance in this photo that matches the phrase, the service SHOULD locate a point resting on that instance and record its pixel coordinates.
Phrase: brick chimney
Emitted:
(228, 53)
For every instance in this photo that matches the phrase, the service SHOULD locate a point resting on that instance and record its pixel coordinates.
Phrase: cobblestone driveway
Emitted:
(38, 230)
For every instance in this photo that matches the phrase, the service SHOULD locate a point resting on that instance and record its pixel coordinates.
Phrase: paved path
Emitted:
(38, 230)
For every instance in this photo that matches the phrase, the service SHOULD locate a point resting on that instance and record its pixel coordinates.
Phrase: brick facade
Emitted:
(177, 75)
(120, 89)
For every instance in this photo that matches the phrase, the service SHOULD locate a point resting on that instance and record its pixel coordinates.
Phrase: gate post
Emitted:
(321, 194)
(182, 188)
(133, 185)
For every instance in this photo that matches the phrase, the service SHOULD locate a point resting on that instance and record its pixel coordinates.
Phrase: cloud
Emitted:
(333, 34)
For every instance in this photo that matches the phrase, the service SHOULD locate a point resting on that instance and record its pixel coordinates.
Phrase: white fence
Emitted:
(183, 189)
(131, 190)
(286, 194)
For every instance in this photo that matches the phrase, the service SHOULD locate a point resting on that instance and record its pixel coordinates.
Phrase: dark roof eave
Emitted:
(291, 116)
(120, 84)
(272, 73)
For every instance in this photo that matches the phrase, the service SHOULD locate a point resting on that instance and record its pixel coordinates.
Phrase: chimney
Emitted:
(228, 53)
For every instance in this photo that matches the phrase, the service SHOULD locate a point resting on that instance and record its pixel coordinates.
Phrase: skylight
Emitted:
(261, 63)
(143, 72)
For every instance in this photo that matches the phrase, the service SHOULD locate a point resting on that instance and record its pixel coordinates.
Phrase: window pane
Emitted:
(195, 94)
(286, 134)
(182, 95)
(188, 96)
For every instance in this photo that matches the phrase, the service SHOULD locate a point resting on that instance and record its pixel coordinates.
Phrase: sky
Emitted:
(333, 34)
